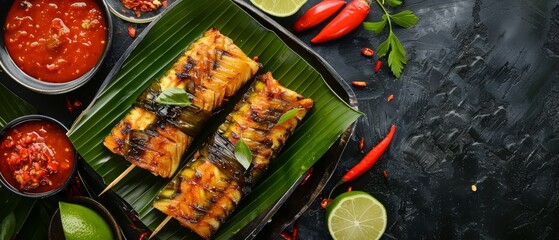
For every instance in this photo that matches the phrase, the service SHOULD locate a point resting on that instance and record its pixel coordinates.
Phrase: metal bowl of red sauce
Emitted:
(54, 46)
(37, 159)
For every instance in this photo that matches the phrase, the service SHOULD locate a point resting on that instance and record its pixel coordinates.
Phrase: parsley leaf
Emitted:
(404, 18)
(394, 3)
(174, 96)
(243, 153)
(392, 45)
(383, 48)
(397, 56)
(288, 115)
(376, 27)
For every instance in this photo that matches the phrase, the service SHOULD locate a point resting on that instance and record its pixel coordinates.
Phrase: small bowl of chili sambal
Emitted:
(36, 157)
(54, 46)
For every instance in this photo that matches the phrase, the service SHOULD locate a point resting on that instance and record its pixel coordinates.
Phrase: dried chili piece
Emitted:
(359, 83)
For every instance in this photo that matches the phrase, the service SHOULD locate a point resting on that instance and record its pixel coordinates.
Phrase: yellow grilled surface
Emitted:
(200, 198)
(214, 68)
(161, 154)
(256, 117)
(137, 118)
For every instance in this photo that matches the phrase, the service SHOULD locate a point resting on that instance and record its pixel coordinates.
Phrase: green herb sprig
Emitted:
(288, 115)
(392, 45)
(243, 153)
(174, 96)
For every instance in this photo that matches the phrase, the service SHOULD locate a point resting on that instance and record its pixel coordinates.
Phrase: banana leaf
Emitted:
(153, 53)
(15, 209)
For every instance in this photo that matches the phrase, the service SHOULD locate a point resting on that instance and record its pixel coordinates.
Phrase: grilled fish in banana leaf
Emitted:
(154, 136)
(207, 190)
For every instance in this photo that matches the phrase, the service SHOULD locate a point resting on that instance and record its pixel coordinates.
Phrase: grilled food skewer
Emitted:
(154, 136)
(208, 189)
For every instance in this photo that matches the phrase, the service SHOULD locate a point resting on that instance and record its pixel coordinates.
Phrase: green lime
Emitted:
(279, 8)
(82, 223)
(356, 215)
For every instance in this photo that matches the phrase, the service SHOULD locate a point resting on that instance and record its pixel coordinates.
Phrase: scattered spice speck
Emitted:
(474, 188)
(385, 174)
(69, 104)
(325, 202)
(359, 83)
(390, 98)
(131, 31)
(349, 189)
(361, 144)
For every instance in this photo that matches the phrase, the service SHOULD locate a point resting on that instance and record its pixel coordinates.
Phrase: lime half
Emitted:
(82, 223)
(356, 215)
(279, 8)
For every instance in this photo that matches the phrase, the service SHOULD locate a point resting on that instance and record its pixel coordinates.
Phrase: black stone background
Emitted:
(477, 104)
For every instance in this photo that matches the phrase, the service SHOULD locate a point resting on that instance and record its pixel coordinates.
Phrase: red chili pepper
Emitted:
(378, 65)
(349, 18)
(368, 161)
(317, 14)
(371, 158)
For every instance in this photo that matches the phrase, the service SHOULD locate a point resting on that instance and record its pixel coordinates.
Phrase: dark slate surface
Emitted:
(476, 104)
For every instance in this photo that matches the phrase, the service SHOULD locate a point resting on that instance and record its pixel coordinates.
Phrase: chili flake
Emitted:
(131, 31)
(377, 66)
(367, 52)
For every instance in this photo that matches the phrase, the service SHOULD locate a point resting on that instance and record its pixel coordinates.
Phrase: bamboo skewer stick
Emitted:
(120, 177)
(161, 225)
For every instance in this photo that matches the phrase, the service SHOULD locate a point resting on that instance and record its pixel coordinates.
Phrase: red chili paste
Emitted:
(36, 156)
(55, 40)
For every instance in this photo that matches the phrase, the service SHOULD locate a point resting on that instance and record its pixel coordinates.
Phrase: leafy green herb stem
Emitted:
(386, 13)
